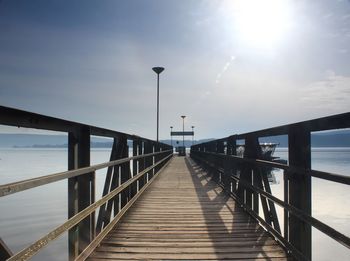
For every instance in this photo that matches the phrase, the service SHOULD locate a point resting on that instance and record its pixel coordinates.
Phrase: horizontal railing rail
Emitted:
(24, 119)
(308, 172)
(22, 185)
(127, 177)
(245, 179)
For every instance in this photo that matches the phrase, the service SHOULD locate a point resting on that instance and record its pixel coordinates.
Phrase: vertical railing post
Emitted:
(139, 163)
(134, 168)
(81, 191)
(232, 166)
(142, 162)
(247, 172)
(220, 159)
(152, 149)
(124, 171)
(285, 211)
(214, 160)
(299, 151)
(147, 160)
(157, 148)
(227, 168)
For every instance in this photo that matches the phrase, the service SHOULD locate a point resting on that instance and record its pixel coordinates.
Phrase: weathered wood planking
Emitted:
(185, 216)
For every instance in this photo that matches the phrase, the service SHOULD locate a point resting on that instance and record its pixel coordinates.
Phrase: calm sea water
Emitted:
(28, 215)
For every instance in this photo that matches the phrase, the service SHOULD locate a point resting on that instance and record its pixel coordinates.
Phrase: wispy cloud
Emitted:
(331, 93)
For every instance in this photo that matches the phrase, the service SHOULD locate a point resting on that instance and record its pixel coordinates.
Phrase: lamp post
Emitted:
(171, 137)
(192, 134)
(158, 70)
(183, 130)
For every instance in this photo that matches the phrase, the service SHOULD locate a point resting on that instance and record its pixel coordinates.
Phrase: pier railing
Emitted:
(245, 179)
(121, 189)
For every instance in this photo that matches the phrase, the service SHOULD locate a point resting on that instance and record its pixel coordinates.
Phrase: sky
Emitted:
(230, 66)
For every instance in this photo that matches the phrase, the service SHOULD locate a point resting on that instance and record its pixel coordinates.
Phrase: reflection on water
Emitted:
(26, 216)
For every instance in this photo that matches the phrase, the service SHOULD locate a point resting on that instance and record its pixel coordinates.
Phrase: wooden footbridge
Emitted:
(186, 216)
(210, 205)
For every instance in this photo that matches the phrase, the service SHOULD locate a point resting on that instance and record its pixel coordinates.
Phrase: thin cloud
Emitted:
(332, 93)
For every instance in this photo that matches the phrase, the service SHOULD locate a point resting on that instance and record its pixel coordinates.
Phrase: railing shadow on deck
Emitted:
(242, 226)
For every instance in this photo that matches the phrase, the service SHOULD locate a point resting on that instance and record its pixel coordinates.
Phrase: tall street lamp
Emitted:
(192, 134)
(183, 130)
(171, 137)
(158, 70)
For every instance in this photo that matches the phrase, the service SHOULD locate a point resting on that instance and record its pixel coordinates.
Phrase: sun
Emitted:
(261, 23)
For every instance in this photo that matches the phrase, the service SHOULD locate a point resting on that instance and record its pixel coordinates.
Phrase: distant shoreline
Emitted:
(319, 140)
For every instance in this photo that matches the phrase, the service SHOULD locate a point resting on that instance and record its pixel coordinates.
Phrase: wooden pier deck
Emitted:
(184, 215)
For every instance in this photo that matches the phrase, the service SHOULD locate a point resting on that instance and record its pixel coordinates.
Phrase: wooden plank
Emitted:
(246, 259)
(189, 256)
(189, 250)
(183, 222)
(180, 244)
(186, 225)
(189, 239)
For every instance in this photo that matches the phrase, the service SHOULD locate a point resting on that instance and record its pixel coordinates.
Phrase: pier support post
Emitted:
(299, 148)
(81, 191)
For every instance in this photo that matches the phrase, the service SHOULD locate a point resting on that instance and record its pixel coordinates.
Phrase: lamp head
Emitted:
(158, 70)
(183, 116)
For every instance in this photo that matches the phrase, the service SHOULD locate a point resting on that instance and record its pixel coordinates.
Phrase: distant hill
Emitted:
(323, 139)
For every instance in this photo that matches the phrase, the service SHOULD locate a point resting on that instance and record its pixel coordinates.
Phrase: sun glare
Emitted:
(262, 23)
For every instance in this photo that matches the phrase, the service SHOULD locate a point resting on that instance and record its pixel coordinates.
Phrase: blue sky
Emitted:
(230, 66)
